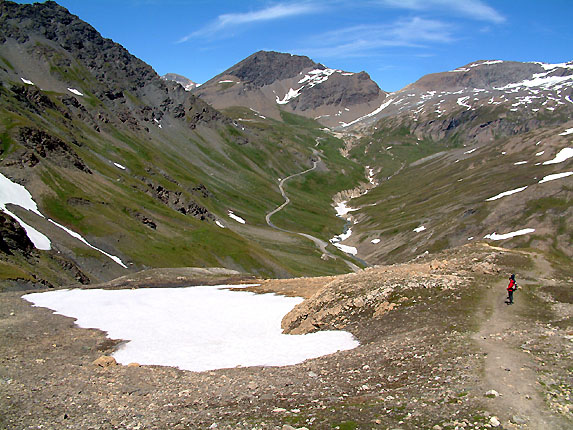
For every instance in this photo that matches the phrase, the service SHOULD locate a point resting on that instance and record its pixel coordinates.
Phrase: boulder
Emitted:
(105, 361)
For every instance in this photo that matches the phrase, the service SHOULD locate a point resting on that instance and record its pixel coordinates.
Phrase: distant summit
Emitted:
(271, 82)
(186, 83)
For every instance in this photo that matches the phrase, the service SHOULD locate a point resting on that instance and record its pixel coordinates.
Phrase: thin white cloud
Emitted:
(364, 40)
(277, 11)
(475, 9)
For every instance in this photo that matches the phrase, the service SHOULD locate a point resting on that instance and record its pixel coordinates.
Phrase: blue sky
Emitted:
(395, 41)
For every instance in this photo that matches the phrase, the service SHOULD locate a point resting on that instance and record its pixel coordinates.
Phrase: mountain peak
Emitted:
(265, 67)
(185, 82)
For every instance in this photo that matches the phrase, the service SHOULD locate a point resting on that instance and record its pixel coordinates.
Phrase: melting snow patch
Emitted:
(289, 96)
(197, 328)
(539, 153)
(317, 76)
(519, 163)
(462, 100)
(81, 239)
(74, 91)
(566, 132)
(540, 80)
(341, 209)
(119, 166)
(419, 229)
(236, 218)
(18, 195)
(495, 236)
(228, 81)
(347, 249)
(470, 151)
(555, 176)
(219, 223)
(27, 82)
(375, 241)
(506, 193)
(561, 156)
(375, 112)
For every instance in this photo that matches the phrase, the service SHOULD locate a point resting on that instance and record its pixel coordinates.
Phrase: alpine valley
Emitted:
(281, 168)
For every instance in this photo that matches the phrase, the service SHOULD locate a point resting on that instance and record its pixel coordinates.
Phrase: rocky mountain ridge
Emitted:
(268, 82)
(186, 83)
(528, 88)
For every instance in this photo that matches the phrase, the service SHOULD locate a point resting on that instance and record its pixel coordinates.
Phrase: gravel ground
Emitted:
(426, 362)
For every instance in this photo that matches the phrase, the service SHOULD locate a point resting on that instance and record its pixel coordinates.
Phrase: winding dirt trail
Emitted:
(320, 244)
(507, 369)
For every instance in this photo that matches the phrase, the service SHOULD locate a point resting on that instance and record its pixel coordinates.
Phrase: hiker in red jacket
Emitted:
(510, 289)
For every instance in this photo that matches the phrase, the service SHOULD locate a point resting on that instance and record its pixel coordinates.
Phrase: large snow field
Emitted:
(195, 328)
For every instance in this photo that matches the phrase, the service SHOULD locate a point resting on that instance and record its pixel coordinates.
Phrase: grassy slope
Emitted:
(241, 178)
(450, 193)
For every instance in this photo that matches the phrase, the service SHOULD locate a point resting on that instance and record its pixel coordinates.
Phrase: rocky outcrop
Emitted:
(367, 294)
(39, 144)
(175, 200)
(13, 237)
(108, 61)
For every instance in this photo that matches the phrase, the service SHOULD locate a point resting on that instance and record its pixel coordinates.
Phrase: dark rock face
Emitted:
(108, 61)
(13, 237)
(264, 67)
(71, 268)
(32, 98)
(145, 220)
(38, 143)
(112, 69)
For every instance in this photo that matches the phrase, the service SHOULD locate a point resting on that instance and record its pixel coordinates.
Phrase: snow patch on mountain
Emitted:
(462, 102)
(555, 176)
(236, 217)
(561, 156)
(16, 194)
(291, 94)
(76, 92)
(495, 236)
(81, 239)
(505, 193)
(317, 76)
(311, 79)
(371, 114)
(543, 81)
